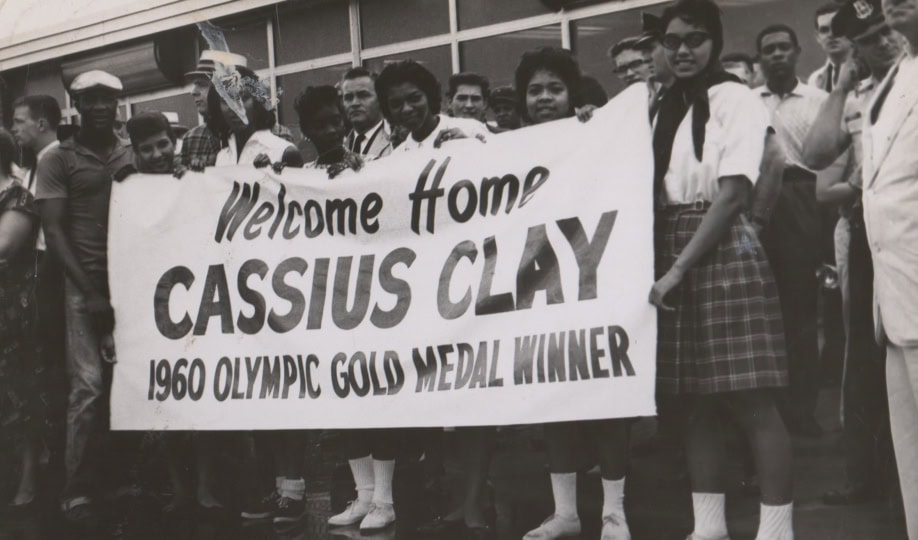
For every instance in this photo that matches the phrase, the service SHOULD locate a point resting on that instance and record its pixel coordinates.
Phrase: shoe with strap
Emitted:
(554, 528)
(262, 509)
(289, 510)
(380, 516)
(615, 528)
(354, 513)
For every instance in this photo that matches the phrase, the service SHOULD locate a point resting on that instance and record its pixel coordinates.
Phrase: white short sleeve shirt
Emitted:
(472, 128)
(733, 146)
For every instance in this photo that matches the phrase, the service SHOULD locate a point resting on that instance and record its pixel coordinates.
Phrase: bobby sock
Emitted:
(776, 522)
(382, 471)
(613, 498)
(710, 517)
(564, 490)
(362, 469)
(293, 488)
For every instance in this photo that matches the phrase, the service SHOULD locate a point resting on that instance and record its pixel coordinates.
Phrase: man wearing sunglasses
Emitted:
(631, 61)
(792, 239)
(836, 47)
(838, 127)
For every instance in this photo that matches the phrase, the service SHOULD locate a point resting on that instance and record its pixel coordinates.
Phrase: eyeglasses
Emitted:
(630, 66)
(772, 48)
(693, 40)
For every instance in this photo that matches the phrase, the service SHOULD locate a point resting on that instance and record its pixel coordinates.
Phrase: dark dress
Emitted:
(23, 396)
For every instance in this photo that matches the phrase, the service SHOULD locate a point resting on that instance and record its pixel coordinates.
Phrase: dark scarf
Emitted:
(674, 105)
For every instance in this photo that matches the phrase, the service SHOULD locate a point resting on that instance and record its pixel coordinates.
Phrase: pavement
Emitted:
(658, 503)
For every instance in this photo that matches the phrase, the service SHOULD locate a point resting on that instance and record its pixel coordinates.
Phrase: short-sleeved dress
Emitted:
(725, 333)
(24, 399)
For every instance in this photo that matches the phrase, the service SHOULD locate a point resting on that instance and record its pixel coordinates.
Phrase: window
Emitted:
(248, 38)
(389, 21)
(497, 57)
(591, 39)
(292, 86)
(436, 59)
(473, 13)
(311, 31)
(182, 104)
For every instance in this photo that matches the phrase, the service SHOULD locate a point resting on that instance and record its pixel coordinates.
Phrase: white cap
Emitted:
(95, 79)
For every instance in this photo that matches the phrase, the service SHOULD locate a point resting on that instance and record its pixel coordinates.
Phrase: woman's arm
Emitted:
(727, 205)
(15, 232)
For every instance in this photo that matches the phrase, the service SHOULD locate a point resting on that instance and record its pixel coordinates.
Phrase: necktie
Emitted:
(357, 142)
(830, 78)
(32, 176)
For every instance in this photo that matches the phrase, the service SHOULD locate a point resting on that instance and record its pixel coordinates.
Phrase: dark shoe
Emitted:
(289, 511)
(24, 510)
(856, 494)
(262, 509)
(82, 516)
(440, 527)
(482, 532)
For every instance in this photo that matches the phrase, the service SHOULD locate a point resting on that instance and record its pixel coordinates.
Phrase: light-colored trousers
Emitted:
(902, 388)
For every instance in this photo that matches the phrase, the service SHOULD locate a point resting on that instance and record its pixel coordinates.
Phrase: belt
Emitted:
(798, 174)
(697, 206)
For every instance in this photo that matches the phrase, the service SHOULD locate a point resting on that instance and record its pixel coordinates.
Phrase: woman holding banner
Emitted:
(720, 340)
(549, 83)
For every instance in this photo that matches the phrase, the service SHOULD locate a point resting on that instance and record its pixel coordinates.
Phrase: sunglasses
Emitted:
(630, 66)
(692, 40)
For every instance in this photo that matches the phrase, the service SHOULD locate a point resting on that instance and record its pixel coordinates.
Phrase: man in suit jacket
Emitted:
(891, 217)
(369, 136)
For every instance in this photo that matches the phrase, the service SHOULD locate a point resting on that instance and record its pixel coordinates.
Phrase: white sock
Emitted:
(613, 498)
(278, 480)
(710, 516)
(776, 522)
(564, 490)
(293, 489)
(382, 485)
(362, 469)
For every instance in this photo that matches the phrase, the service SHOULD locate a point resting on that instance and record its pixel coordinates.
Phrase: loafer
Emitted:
(615, 528)
(554, 528)
(354, 513)
(380, 516)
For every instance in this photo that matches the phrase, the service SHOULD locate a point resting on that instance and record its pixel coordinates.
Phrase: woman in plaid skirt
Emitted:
(720, 335)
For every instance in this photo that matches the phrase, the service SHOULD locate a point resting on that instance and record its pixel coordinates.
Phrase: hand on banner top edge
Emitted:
(179, 171)
(351, 161)
(664, 286)
(278, 167)
(453, 134)
(261, 161)
(124, 172)
(585, 113)
(107, 348)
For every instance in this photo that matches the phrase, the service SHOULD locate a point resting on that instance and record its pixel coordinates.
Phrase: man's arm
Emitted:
(826, 140)
(768, 186)
(53, 215)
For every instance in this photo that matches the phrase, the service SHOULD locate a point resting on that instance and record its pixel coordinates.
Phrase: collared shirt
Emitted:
(792, 116)
(201, 146)
(29, 178)
(75, 173)
(375, 141)
(820, 78)
(471, 128)
(260, 142)
(852, 124)
(734, 143)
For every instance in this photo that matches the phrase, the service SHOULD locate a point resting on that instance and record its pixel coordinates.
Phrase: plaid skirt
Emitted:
(725, 333)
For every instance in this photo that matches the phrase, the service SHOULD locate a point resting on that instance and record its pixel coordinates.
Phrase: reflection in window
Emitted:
(591, 39)
(248, 38)
(436, 59)
(389, 21)
(474, 13)
(182, 104)
(497, 57)
(293, 85)
(311, 31)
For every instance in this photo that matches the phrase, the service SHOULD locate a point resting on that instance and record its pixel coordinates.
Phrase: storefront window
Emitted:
(436, 59)
(389, 21)
(183, 105)
(248, 38)
(311, 31)
(497, 57)
(474, 13)
(591, 39)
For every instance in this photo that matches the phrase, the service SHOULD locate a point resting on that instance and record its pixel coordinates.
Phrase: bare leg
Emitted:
(28, 480)
(757, 413)
(204, 449)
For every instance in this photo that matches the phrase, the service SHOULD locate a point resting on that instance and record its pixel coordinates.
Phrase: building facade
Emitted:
(297, 43)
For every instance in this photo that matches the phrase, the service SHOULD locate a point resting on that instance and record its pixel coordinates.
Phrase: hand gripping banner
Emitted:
(490, 283)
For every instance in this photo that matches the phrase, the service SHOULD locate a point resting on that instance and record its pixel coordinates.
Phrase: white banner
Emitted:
(481, 284)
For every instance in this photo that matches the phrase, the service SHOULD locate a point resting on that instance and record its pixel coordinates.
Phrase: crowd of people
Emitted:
(769, 193)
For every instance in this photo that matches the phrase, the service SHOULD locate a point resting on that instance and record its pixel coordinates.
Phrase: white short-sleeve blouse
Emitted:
(261, 142)
(733, 146)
